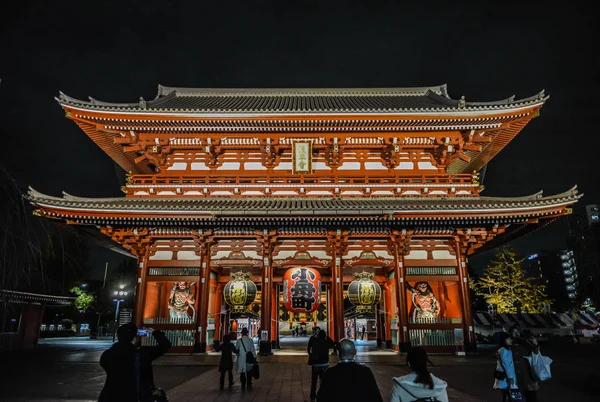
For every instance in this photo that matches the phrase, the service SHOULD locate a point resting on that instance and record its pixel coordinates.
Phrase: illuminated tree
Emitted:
(587, 306)
(505, 285)
(84, 300)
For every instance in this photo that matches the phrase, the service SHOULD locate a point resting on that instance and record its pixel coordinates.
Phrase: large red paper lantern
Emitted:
(301, 290)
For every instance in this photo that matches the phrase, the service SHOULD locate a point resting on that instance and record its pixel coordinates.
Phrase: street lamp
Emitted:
(119, 296)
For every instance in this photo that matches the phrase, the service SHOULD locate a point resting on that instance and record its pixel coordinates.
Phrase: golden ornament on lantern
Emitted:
(239, 292)
(364, 292)
(301, 290)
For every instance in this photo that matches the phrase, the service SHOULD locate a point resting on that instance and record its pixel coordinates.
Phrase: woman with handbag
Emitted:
(246, 358)
(505, 376)
(522, 348)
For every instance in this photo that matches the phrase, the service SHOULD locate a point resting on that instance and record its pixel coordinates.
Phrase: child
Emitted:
(506, 365)
(226, 364)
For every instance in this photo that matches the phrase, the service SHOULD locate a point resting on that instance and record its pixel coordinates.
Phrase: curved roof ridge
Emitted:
(404, 91)
(32, 194)
(504, 101)
(102, 103)
(571, 193)
(62, 98)
(442, 99)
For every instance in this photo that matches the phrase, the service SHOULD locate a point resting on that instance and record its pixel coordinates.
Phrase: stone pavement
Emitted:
(285, 382)
(69, 371)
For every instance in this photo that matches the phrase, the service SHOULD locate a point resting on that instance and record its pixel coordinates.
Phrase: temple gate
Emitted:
(340, 181)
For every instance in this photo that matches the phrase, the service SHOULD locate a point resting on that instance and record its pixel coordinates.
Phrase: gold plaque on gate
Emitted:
(302, 157)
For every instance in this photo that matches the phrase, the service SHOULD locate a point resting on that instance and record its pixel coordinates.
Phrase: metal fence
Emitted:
(161, 320)
(432, 337)
(180, 337)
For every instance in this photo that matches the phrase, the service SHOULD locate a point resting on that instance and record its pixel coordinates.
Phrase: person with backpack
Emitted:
(226, 363)
(318, 358)
(420, 385)
(505, 376)
(246, 358)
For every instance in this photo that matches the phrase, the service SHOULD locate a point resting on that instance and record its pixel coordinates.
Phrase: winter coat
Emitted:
(119, 362)
(405, 386)
(507, 366)
(347, 382)
(318, 350)
(525, 378)
(227, 351)
(240, 365)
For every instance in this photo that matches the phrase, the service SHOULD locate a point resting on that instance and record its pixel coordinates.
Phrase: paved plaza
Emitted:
(69, 371)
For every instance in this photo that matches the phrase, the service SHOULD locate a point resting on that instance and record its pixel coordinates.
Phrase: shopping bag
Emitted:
(540, 365)
(516, 395)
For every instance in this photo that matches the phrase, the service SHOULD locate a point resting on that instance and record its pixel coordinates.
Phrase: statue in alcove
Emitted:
(181, 299)
(425, 304)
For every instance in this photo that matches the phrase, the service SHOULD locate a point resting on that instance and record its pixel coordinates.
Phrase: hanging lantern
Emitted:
(239, 292)
(364, 292)
(302, 290)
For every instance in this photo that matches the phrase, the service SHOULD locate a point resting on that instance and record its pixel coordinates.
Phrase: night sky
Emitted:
(119, 51)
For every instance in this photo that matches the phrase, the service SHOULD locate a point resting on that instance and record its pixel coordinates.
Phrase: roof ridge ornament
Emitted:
(462, 102)
(143, 104)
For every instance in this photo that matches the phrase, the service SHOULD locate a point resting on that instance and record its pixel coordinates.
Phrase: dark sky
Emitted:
(119, 51)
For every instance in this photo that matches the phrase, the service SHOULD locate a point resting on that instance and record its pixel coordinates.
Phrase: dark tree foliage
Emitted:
(35, 255)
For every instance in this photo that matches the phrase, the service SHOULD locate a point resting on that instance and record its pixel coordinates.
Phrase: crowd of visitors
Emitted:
(129, 377)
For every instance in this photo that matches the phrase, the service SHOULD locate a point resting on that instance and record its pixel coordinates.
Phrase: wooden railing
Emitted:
(253, 179)
(437, 185)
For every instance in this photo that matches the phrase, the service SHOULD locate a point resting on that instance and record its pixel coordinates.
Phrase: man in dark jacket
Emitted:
(318, 358)
(348, 380)
(129, 368)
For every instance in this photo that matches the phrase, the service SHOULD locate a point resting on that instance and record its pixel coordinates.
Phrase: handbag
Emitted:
(255, 371)
(499, 375)
(540, 365)
(249, 355)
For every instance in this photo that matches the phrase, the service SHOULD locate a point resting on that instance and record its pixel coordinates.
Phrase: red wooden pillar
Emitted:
(338, 299)
(275, 316)
(463, 279)
(202, 319)
(399, 276)
(330, 318)
(217, 311)
(140, 287)
(266, 287)
(387, 297)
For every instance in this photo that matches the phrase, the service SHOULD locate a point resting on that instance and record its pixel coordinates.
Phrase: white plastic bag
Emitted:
(540, 365)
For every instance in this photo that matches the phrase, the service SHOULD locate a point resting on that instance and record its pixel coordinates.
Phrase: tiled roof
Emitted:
(271, 207)
(22, 297)
(279, 101)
